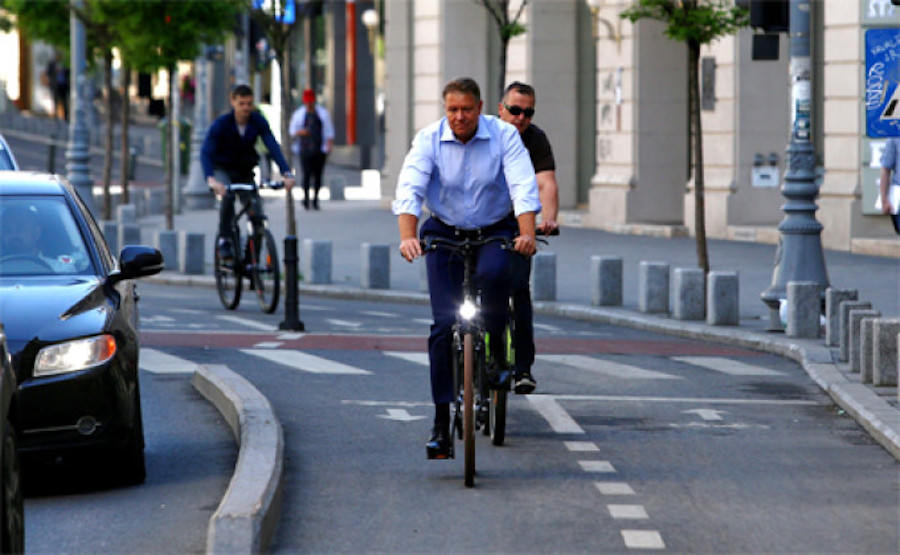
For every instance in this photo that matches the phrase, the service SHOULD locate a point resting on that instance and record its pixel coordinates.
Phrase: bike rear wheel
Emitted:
(469, 409)
(228, 277)
(266, 271)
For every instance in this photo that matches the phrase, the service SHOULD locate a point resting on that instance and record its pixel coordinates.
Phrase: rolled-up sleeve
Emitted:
(414, 176)
(519, 173)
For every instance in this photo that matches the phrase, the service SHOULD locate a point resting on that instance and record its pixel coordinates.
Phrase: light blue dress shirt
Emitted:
(469, 185)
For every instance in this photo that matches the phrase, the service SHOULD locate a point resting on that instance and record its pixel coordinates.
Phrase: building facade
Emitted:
(612, 97)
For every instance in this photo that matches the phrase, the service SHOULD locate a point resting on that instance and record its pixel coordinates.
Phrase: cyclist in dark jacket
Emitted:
(229, 155)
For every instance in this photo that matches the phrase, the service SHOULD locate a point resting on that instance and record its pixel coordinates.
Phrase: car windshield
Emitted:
(39, 236)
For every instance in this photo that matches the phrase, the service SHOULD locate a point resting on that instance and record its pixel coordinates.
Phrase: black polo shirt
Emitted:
(539, 148)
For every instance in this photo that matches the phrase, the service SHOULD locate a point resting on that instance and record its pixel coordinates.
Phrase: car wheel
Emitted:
(12, 533)
(130, 467)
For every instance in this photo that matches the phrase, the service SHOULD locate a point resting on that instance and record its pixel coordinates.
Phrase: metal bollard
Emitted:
(291, 297)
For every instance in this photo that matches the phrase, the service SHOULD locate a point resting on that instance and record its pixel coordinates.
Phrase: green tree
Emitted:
(157, 34)
(508, 29)
(695, 23)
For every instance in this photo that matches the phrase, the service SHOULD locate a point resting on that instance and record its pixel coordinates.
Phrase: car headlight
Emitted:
(74, 355)
(467, 310)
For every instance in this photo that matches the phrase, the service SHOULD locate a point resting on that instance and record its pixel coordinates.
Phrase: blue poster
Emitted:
(883, 82)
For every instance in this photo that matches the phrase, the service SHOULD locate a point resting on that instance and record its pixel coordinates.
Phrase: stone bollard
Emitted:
(155, 200)
(690, 295)
(543, 276)
(804, 306)
(653, 287)
(833, 299)
(129, 234)
(866, 346)
(722, 301)
(845, 308)
(376, 267)
(191, 250)
(606, 280)
(855, 346)
(167, 243)
(111, 233)
(126, 214)
(336, 188)
(884, 351)
(316, 261)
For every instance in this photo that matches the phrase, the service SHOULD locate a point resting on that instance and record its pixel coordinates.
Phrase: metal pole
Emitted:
(799, 256)
(197, 195)
(291, 301)
(78, 149)
(350, 16)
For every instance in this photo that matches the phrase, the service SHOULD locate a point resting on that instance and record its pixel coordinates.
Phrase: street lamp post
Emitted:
(799, 256)
(78, 149)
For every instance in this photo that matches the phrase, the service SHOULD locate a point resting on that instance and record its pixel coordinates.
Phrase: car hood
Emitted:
(51, 309)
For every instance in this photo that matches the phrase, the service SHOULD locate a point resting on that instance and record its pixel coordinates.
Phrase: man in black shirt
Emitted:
(517, 108)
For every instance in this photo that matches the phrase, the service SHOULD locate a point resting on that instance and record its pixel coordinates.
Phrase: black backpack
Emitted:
(312, 143)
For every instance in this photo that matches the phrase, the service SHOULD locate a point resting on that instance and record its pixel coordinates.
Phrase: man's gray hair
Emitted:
(465, 85)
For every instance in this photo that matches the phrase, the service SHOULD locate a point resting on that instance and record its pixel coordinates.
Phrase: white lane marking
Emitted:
(693, 400)
(378, 313)
(614, 488)
(186, 311)
(706, 414)
(314, 308)
(633, 512)
(305, 362)
(343, 323)
(268, 345)
(409, 404)
(156, 319)
(581, 446)
(401, 415)
(197, 326)
(607, 367)
(707, 425)
(728, 366)
(554, 414)
(159, 362)
(643, 539)
(428, 321)
(597, 466)
(545, 327)
(289, 336)
(414, 357)
(245, 322)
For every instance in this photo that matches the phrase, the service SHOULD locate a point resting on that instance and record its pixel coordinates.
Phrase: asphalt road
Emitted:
(635, 440)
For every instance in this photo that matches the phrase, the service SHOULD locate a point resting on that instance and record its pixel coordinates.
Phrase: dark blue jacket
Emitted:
(226, 149)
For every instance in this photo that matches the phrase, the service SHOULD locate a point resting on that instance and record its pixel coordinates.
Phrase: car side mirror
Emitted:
(137, 261)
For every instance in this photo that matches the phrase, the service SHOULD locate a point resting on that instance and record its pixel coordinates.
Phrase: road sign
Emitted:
(882, 80)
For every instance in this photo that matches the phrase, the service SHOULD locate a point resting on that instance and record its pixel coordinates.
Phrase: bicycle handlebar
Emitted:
(271, 184)
(431, 243)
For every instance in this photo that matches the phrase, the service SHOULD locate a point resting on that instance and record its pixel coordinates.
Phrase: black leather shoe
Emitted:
(440, 446)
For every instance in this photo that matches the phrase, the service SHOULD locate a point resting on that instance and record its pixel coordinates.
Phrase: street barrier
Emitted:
(167, 243)
(606, 280)
(855, 347)
(316, 261)
(803, 309)
(690, 299)
(866, 350)
(833, 299)
(376, 267)
(653, 287)
(126, 213)
(191, 251)
(845, 308)
(884, 363)
(129, 234)
(543, 277)
(722, 300)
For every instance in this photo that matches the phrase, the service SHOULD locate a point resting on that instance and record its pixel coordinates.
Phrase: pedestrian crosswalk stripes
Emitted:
(727, 366)
(159, 362)
(415, 357)
(305, 361)
(607, 367)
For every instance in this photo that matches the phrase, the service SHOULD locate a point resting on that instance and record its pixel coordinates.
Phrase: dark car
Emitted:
(70, 312)
(12, 505)
(7, 160)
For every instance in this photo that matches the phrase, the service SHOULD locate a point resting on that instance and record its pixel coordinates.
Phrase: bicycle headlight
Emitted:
(74, 355)
(468, 310)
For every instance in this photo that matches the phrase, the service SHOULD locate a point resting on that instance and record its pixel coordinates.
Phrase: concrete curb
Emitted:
(247, 516)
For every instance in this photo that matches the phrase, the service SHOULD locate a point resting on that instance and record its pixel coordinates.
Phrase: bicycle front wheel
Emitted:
(469, 408)
(228, 278)
(266, 271)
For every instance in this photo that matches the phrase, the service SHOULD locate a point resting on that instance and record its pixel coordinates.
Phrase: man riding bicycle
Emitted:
(476, 177)
(229, 156)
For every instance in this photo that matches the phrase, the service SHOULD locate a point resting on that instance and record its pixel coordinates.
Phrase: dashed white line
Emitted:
(614, 488)
(159, 362)
(289, 336)
(597, 466)
(581, 446)
(728, 366)
(631, 512)
(607, 367)
(428, 321)
(554, 414)
(545, 327)
(643, 539)
(378, 313)
(343, 323)
(268, 345)
(245, 322)
(414, 357)
(305, 362)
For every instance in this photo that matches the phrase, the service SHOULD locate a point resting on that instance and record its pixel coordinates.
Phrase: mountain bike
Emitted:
(256, 258)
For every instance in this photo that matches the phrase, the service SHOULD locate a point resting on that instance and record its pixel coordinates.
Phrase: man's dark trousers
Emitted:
(445, 276)
(520, 273)
(313, 164)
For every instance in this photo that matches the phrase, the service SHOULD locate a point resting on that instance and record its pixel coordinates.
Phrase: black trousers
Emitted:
(520, 273)
(312, 164)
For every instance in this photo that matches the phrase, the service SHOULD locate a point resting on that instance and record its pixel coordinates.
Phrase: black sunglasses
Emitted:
(518, 110)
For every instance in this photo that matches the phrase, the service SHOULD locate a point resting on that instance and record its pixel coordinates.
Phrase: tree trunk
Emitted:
(171, 152)
(697, 140)
(504, 44)
(126, 150)
(107, 155)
